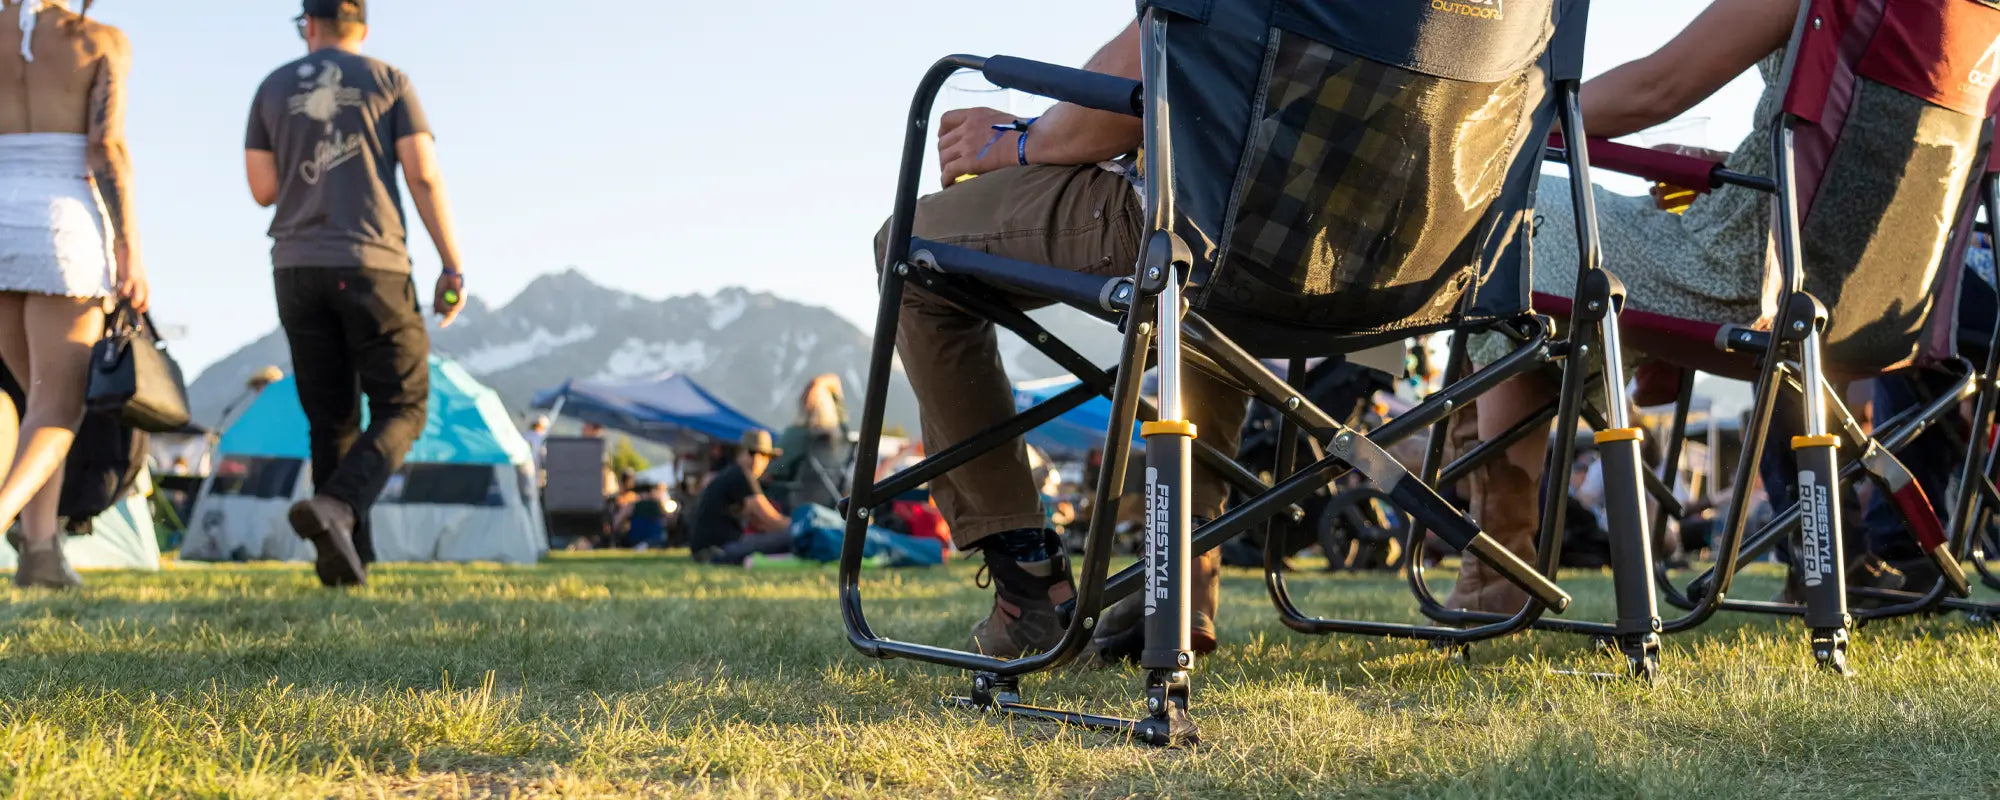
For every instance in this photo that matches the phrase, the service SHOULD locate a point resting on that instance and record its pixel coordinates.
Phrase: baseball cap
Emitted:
(343, 10)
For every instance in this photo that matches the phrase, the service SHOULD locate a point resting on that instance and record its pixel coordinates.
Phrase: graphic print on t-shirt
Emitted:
(322, 99)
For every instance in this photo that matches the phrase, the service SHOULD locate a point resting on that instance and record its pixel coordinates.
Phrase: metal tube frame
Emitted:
(1636, 630)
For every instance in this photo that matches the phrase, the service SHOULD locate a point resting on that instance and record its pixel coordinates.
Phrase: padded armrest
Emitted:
(1069, 84)
(1687, 172)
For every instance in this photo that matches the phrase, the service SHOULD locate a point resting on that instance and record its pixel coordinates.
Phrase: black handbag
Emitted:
(132, 376)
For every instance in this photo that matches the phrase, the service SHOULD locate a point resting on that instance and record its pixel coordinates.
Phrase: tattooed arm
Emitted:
(111, 163)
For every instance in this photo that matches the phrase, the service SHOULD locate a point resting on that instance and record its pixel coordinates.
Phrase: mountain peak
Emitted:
(751, 348)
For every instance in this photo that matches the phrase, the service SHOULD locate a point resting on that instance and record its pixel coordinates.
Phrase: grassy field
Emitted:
(644, 676)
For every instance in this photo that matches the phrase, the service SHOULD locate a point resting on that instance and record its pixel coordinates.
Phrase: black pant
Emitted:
(353, 332)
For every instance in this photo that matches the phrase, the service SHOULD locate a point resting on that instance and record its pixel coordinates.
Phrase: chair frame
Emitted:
(1147, 302)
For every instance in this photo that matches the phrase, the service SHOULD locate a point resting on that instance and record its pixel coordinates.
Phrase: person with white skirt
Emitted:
(67, 248)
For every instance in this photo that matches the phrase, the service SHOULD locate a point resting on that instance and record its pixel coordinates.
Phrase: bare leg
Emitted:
(60, 332)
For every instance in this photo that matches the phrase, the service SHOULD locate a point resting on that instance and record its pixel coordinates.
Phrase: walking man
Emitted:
(325, 136)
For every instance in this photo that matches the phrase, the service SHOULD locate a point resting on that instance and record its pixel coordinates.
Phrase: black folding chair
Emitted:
(1322, 177)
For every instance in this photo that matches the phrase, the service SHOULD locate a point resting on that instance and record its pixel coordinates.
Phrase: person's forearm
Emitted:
(111, 168)
(1624, 101)
(1070, 134)
(429, 196)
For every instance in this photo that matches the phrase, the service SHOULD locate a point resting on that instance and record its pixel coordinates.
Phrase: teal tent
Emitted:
(467, 424)
(467, 490)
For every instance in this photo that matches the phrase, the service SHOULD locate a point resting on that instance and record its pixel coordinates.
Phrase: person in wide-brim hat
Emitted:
(734, 503)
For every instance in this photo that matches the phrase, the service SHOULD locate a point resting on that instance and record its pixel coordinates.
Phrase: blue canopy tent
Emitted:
(660, 409)
(466, 491)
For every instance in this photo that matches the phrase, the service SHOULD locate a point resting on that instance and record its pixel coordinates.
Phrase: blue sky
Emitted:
(662, 147)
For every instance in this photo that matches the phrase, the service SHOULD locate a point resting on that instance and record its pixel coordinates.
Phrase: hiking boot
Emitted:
(1505, 501)
(1121, 634)
(1024, 619)
(329, 524)
(42, 564)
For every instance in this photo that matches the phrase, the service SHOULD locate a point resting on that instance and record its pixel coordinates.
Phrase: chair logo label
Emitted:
(1986, 73)
(1815, 526)
(1159, 501)
(1476, 9)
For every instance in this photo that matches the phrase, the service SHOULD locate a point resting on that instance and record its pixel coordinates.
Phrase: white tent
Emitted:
(121, 538)
(466, 491)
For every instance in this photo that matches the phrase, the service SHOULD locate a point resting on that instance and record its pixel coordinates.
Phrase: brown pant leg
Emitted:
(1077, 218)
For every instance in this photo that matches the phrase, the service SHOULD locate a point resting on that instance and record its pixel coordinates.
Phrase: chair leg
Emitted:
(1822, 560)
(1637, 629)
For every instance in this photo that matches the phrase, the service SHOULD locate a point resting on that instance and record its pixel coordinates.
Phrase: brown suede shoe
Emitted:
(329, 524)
(42, 565)
(1504, 502)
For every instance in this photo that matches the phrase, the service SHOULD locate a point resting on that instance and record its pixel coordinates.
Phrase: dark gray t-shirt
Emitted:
(333, 119)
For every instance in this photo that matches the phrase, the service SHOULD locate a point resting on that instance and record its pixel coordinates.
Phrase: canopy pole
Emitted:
(555, 409)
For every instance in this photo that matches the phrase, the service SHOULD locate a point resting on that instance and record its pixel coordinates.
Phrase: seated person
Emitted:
(814, 466)
(1073, 205)
(646, 518)
(1709, 263)
(733, 502)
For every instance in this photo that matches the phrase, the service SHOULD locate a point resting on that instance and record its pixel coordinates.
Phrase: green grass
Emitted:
(644, 676)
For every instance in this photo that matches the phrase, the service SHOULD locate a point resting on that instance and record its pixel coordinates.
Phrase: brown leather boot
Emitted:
(1121, 634)
(1506, 505)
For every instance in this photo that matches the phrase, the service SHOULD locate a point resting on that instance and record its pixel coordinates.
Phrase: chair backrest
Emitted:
(574, 466)
(1890, 102)
(1352, 171)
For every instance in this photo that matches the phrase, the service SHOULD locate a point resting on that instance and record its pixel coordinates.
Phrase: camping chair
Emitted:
(1267, 236)
(1887, 310)
(573, 492)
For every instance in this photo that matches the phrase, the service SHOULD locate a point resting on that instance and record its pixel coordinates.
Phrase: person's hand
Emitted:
(1668, 197)
(964, 133)
(449, 298)
(132, 284)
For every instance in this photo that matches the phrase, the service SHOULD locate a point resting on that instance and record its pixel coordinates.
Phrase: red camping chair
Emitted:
(1886, 311)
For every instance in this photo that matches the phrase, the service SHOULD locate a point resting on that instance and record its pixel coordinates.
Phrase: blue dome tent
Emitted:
(466, 491)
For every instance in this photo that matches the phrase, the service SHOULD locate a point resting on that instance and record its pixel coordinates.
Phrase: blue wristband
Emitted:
(1020, 145)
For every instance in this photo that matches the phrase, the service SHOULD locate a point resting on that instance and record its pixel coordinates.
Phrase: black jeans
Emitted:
(354, 332)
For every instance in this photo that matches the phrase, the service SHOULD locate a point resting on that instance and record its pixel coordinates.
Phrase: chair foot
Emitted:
(1829, 646)
(1642, 656)
(1167, 724)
